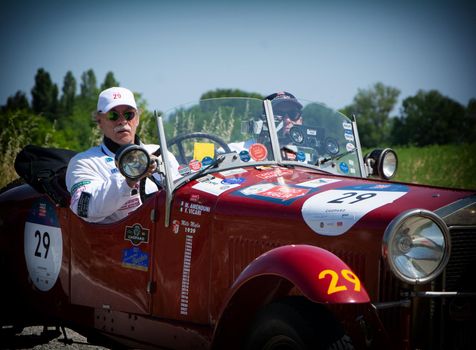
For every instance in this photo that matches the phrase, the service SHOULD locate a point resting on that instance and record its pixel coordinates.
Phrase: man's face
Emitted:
(121, 130)
(290, 117)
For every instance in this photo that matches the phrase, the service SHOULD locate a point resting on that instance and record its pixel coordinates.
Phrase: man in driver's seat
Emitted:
(99, 193)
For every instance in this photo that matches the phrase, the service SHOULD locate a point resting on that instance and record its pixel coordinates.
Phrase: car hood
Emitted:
(328, 205)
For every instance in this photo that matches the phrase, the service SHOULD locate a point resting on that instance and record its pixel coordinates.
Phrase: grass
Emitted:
(447, 165)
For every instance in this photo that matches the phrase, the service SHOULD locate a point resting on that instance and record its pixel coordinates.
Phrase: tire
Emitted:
(296, 324)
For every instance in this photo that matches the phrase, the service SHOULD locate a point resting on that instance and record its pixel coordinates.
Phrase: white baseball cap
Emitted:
(113, 97)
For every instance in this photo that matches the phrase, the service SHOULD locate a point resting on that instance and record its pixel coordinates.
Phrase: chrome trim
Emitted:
(169, 188)
(449, 209)
(363, 170)
(272, 131)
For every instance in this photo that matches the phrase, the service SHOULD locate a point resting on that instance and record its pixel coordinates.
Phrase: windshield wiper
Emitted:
(213, 164)
(337, 156)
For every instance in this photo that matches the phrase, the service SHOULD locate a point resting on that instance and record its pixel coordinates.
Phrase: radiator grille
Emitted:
(463, 255)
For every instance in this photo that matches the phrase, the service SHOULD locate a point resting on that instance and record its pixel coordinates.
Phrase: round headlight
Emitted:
(132, 161)
(389, 163)
(382, 162)
(416, 245)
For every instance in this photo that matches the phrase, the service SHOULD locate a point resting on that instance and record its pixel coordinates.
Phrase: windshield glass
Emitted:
(311, 135)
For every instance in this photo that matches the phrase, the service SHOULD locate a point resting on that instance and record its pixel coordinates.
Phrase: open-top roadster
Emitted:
(271, 238)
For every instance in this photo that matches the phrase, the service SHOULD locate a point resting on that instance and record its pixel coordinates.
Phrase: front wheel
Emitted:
(296, 324)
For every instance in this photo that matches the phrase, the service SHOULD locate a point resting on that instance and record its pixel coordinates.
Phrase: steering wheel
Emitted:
(182, 159)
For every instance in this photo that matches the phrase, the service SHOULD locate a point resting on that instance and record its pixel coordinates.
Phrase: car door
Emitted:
(111, 263)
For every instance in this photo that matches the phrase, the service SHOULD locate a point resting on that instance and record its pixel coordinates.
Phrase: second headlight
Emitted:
(416, 245)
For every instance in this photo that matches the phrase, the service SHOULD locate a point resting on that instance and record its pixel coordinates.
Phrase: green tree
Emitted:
(430, 118)
(16, 102)
(69, 93)
(372, 107)
(44, 95)
(109, 81)
(88, 87)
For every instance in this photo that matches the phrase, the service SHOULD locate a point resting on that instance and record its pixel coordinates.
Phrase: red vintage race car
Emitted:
(274, 237)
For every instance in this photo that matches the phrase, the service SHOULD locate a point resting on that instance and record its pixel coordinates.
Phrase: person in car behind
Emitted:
(99, 193)
(286, 109)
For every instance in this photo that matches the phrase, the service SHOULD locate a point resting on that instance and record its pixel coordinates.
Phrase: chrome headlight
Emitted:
(416, 245)
(382, 163)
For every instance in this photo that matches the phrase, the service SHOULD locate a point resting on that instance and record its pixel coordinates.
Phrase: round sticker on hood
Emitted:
(43, 245)
(334, 212)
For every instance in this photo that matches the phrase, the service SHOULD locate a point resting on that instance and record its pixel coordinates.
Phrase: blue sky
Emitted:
(172, 52)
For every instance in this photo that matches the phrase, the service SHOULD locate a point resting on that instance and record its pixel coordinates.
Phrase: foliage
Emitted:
(109, 81)
(446, 165)
(16, 102)
(430, 118)
(372, 107)
(44, 95)
(20, 128)
(230, 93)
(88, 85)
(69, 93)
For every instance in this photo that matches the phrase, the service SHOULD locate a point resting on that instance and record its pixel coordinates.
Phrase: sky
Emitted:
(172, 52)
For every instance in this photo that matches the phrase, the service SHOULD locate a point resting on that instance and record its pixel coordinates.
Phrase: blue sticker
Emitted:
(344, 167)
(115, 170)
(300, 156)
(207, 161)
(43, 212)
(134, 258)
(233, 181)
(109, 159)
(245, 156)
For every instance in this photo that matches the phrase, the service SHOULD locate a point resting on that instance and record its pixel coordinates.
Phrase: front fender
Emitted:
(320, 275)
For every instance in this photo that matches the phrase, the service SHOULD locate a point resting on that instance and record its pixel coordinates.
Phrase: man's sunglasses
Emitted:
(292, 114)
(114, 115)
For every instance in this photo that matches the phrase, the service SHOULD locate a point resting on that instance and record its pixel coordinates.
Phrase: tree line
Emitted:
(65, 118)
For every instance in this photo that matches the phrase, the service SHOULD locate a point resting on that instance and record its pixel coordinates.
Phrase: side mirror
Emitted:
(132, 161)
(382, 163)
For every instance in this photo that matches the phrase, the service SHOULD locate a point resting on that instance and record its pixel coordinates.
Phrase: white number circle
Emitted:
(43, 245)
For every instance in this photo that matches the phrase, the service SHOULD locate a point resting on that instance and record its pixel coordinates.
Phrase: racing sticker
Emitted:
(276, 193)
(136, 234)
(258, 151)
(334, 212)
(214, 186)
(317, 182)
(136, 259)
(43, 245)
(276, 172)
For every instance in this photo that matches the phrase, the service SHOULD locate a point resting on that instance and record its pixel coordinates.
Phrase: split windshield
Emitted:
(307, 134)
